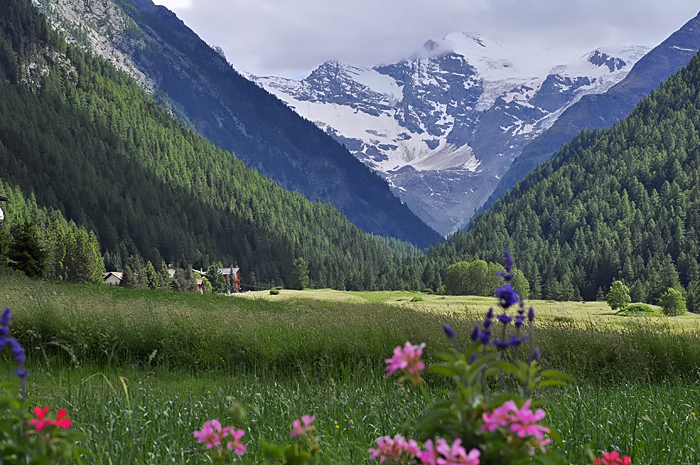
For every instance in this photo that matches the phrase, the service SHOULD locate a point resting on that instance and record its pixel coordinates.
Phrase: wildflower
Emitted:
(526, 422)
(485, 337)
(396, 450)
(41, 421)
(541, 443)
(501, 416)
(352, 425)
(407, 360)
(613, 458)
(299, 430)
(429, 455)
(235, 443)
(507, 296)
(6, 317)
(519, 321)
(456, 454)
(475, 334)
(531, 314)
(449, 332)
(509, 261)
(61, 420)
(210, 433)
(505, 319)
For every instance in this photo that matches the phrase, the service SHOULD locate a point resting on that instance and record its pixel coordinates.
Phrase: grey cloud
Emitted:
(291, 37)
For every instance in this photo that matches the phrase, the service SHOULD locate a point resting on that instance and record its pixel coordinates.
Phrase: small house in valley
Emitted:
(233, 272)
(113, 278)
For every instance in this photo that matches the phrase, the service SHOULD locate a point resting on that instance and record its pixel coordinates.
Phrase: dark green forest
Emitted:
(86, 140)
(622, 203)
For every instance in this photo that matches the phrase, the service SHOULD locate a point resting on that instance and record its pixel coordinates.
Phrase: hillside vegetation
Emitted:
(617, 204)
(86, 140)
(204, 92)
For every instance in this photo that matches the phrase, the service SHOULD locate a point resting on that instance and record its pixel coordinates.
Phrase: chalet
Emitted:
(236, 272)
(3, 198)
(113, 278)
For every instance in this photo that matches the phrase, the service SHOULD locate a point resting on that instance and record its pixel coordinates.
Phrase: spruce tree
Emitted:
(26, 253)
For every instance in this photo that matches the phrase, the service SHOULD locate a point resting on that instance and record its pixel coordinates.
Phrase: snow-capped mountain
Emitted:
(444, 125)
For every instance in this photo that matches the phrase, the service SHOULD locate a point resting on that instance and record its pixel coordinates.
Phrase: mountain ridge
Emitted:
(443, 125)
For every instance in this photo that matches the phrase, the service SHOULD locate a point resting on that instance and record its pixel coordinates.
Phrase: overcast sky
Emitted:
(291, 37)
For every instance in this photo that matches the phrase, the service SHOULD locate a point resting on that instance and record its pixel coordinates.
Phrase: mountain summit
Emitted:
(443, 126)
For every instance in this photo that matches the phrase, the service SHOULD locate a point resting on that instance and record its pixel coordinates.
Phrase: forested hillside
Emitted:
(85, 139)
(205, 93)
(613, 204)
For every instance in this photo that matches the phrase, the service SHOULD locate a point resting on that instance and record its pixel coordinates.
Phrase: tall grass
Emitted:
(181, 355)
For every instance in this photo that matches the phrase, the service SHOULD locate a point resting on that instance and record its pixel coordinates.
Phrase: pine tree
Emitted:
(300, 274)
(26, 253)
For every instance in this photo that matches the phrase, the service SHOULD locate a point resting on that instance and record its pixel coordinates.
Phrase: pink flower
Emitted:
(41, 421)
(406, 360)
(541, 444)
(235, 443)
(299, 430)
(210, 434)
(501, 416)
(613, 458)
(456, 454)
(397, 450)
(526, 422)
(429, 455)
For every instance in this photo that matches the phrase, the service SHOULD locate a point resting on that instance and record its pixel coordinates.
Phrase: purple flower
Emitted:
(21, 373)
(501, 345)
(536, 354)
(17, 350)
(449, 332)
(473, 357)
(507, 296)
(505, 319)
(531, 314)
(515, 342)
(485, 336)
(475, 334)
(519, 321)
(509, 261)
(6, 316)
(489, 314)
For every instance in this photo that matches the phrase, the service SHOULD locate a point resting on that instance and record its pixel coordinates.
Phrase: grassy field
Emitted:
(140, 370)
(581, 313)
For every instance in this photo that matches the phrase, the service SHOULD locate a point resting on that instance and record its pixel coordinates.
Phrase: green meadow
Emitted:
(139, 371)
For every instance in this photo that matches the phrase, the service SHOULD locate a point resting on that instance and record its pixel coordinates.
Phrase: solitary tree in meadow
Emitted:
(619, 296)
(300, 274)
(673, 302)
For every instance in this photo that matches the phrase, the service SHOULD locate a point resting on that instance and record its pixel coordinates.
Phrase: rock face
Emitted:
(196, 83)
(443, 126)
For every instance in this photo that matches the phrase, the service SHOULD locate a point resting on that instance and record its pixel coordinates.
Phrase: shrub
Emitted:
(673, 302)
(638, 309)
(274, 291)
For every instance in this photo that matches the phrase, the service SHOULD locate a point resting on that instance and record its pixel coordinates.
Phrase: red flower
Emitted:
(61, 420)
(41, 422)
(612, 458)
